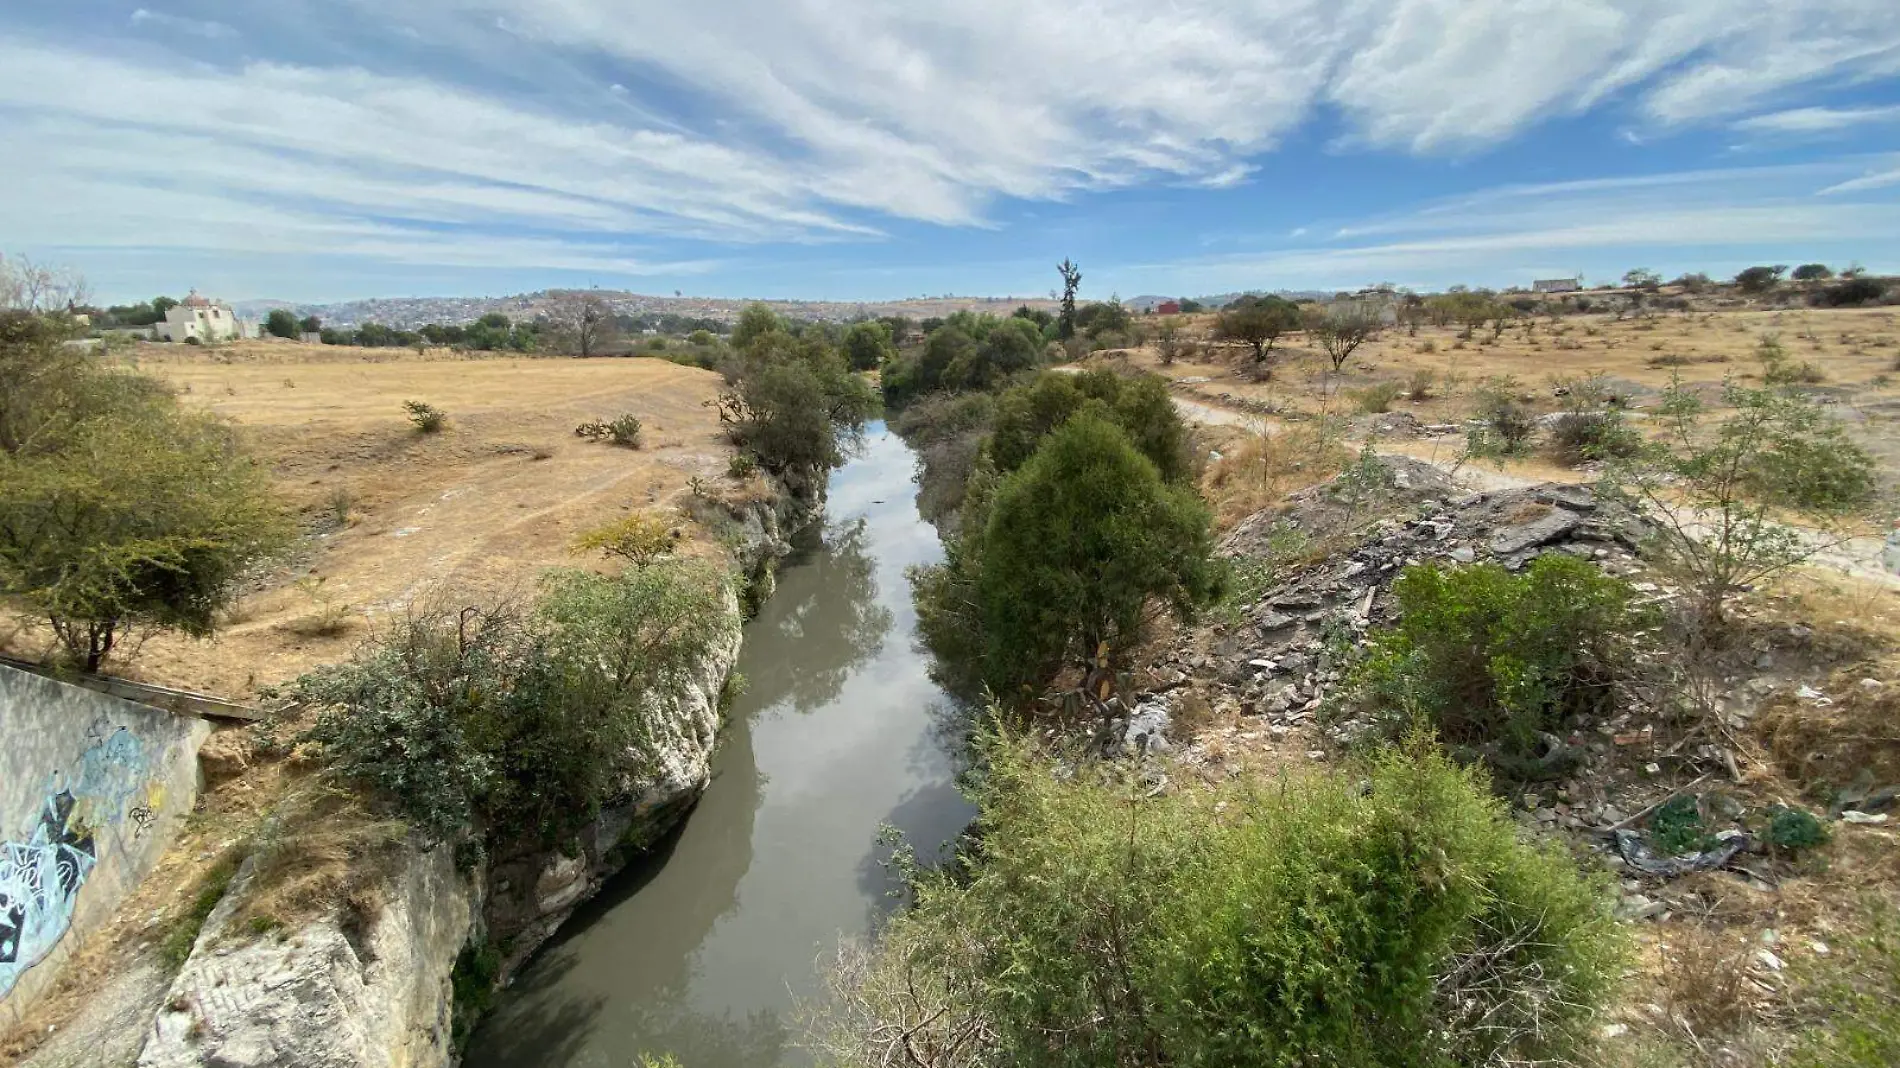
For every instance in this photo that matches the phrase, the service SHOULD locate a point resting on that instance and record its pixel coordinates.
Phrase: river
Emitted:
(701, 949)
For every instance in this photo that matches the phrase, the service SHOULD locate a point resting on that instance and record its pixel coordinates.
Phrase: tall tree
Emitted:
(584, 322)
(281, 323)
(1071, 281)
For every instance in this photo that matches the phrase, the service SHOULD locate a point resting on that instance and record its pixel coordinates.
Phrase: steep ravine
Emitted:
(331, 994)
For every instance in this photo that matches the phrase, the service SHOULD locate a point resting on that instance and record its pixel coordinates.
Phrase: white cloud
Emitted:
(1871, 180)
(196, 27)
(1816, 120)
(826, 119)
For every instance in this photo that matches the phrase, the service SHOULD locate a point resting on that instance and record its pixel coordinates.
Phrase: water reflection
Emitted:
(700, 950)
(826, 606)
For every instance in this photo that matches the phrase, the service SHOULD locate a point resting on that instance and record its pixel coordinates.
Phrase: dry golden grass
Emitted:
(1258, 470)
(1856, 350)
(481, 507)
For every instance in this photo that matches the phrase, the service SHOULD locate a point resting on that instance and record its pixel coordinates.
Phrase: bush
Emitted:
(428, 419)
(1494, 661)
(1378, 397)
(120, 511)
(1377, 921)
(795, 403)
(1507, 424)
(625, 431)
(1419, 386)
(1579, 437)
(519, 724)
(1711, 479)
(1852, 293)
(1078, 543)
(639, 539)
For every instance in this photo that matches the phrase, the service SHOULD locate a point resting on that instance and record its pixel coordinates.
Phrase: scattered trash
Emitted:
(1637, 854)
(1854, 815)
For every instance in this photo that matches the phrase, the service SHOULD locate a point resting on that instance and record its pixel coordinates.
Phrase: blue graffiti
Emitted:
(41, 874)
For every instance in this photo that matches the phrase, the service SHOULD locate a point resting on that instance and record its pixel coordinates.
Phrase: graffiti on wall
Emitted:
(42, 871)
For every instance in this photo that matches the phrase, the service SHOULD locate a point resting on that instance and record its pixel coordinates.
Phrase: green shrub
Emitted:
(1377, 397)
(1794, 828)
(1718, 483)
(428, 419)
(1079, 542)
(625, 431)
(639, 539)
(1507, 425)
(1140, 406)
(1394, 918)
(795, 404)
(1676, 827)
(1493, 661)
(518, 723)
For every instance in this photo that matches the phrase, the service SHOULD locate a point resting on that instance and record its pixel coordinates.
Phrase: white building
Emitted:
(206, 320)
(1557, 285)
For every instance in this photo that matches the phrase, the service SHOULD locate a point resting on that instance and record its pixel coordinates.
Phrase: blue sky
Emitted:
(839, 149)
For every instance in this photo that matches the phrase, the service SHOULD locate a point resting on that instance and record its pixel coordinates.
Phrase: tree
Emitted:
(310, 324)
(1812, 272)
(794, 405)
(161, 305)
(1259, 322)
(1641, 278)
(1071, 281)
(1140, 406)
(1189, 307)
(1083, 542)
(867, 345)
(1759, 279)
(583, 322)
(281, 323)
(120, 512)
(35, 287)
(1720, 491)
(1342, 327)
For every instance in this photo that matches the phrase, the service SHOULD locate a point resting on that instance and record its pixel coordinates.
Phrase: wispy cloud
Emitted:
(1518, 231)
(1816, 120)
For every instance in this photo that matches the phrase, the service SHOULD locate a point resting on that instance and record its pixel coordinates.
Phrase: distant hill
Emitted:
(412, 312)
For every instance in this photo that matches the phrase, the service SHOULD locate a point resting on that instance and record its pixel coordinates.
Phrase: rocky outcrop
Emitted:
(326, 994)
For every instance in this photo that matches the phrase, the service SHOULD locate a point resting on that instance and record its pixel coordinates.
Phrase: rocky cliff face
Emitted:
(330, 995)
(324, 995)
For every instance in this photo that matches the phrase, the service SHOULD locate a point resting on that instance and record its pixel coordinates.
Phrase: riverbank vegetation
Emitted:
(1394, 917)
(1076, 526)
(520, 722)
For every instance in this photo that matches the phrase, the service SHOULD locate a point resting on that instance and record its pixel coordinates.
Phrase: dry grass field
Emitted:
(1854, 356)
(477, 510)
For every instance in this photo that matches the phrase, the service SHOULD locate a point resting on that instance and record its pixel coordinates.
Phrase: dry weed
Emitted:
(1262, 468)
(320, 850)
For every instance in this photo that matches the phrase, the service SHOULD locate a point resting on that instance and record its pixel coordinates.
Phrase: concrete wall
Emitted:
(92, 791)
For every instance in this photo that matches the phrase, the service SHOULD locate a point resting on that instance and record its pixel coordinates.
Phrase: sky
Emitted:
(317, 150)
